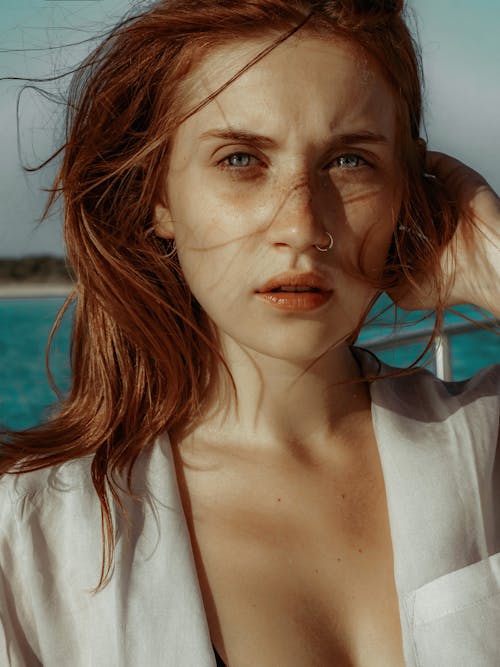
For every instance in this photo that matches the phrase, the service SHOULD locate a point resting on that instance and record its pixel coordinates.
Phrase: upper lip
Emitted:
(296, 280)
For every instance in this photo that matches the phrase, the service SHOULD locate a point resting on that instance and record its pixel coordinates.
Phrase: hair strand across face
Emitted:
(144, 355)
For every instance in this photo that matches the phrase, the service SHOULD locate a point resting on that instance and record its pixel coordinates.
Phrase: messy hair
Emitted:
(144, 354)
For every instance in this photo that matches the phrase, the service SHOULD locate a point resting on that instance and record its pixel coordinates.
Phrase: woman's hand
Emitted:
(471, 260)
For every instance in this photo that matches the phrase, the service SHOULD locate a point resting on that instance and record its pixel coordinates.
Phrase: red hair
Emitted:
(143, 352)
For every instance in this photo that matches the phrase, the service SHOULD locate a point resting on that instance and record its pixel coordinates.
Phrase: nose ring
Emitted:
(328, 247)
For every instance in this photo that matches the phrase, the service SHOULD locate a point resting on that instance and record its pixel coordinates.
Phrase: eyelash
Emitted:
(224, 164)
(362, 161)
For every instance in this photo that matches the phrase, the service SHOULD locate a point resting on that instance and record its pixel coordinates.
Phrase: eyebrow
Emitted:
(363, 137)
(239, 136)
(244, 136)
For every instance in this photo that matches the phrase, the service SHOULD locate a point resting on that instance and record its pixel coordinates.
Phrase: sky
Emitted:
(461, 57)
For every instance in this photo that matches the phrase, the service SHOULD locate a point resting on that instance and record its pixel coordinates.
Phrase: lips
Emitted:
(296, 292)
(295, 283)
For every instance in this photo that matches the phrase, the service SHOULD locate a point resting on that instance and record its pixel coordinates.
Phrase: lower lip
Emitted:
(296, 301)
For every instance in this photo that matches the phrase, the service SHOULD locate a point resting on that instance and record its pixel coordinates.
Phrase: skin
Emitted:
(248, 223)
(471, 262)
(283, 492)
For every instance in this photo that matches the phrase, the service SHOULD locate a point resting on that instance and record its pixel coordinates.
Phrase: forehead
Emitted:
(306, 80)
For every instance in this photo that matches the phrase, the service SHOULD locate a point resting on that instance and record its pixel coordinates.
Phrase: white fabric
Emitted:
(438, 449)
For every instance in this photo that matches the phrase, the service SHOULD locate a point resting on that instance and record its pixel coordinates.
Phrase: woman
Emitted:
(242, 180)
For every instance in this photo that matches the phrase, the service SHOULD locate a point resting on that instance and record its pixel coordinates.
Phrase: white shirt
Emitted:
(438, 448)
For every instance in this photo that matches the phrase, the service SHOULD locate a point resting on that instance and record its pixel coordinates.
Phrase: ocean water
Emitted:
(25, 393)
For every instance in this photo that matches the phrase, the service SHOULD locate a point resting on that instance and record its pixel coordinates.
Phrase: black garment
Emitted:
(220, 661)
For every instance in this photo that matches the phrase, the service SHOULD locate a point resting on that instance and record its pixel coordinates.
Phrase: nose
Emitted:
(296, 222)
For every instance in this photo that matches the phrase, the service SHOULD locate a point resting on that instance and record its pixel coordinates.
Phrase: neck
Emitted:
(282, 403)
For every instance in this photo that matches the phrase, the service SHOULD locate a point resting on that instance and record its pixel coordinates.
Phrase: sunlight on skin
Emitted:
(245, 208)
(470, 262)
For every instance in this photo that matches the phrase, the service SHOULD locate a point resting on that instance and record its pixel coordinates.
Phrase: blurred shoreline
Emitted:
(26, 290)
(34, 277)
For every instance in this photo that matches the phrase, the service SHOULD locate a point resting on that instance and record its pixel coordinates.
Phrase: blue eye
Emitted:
(349, 161)
(238, 160)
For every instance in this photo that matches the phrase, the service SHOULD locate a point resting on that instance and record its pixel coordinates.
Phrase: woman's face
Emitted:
(300, 144)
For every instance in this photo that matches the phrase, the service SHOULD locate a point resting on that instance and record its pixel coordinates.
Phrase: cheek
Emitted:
(209, 217)
(370, 213)
(212, 254)
(213, 232)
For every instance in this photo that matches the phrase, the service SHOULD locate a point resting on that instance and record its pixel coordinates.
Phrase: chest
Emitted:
(297, 569)
(331, 603)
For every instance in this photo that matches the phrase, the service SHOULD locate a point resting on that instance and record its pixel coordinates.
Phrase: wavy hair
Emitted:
(143, 353)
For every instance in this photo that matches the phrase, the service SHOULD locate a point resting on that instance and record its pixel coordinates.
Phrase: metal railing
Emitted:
(441, 345)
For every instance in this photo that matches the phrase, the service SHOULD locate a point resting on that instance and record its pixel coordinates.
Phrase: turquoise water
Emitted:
(24, 329)
(25, 325)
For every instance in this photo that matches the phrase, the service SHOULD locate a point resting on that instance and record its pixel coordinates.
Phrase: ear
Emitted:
(164, 225)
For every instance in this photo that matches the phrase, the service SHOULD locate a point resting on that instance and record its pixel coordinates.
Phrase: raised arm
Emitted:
(471, 261)
(477, 278)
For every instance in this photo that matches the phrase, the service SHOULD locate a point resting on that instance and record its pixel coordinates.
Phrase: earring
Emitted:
(328, 247)
(172, 250)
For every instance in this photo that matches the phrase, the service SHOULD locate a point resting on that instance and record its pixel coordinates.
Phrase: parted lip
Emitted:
(289, 279)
